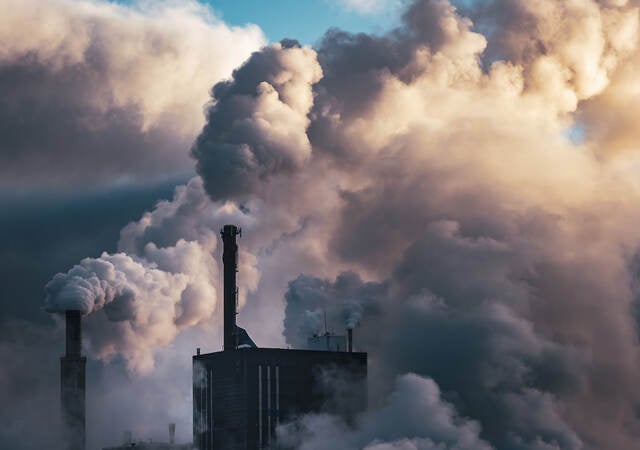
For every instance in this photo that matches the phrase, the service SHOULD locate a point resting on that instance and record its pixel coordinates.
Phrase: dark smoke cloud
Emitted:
(427, 423)
(257, 126)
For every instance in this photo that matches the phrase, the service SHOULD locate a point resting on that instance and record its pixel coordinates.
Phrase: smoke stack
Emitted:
(230, 261)
(72, 384)
(350, 340)
(172, 433)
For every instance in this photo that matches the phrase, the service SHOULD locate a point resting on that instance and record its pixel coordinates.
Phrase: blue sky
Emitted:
(304, 20)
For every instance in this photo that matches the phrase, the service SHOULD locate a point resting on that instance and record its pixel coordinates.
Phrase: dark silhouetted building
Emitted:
(242, 393)
(72, 384)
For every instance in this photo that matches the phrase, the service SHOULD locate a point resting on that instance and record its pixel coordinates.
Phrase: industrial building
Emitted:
(242, 393)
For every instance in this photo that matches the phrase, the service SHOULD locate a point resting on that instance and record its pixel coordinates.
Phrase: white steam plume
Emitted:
(143, 302)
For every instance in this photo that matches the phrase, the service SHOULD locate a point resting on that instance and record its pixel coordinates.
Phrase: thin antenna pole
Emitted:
(325, 322)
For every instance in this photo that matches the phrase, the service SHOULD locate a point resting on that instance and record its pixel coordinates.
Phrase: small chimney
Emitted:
(350, 340)
(230, 261)
(72, 384)
(172, 433)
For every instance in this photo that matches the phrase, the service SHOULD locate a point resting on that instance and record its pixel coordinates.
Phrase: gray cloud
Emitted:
(427, 423)
(100, 93)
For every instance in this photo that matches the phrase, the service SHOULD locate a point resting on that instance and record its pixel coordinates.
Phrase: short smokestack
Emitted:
(350, 340)
(172, 433)
(230, 261)
(72, 384)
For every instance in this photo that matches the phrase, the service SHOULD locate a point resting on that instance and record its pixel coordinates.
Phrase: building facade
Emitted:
(241, 396)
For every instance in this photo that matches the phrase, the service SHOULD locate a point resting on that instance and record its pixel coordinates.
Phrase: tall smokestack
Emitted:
(350, 340)
(72, 385)
(230, 261)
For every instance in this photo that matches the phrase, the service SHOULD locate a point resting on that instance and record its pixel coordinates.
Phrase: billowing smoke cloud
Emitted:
(590, 58)
(146, 301)
(96, 283)
(429, 423)
(490, 261)
(257, 127)
(101, 93)
(344, 304)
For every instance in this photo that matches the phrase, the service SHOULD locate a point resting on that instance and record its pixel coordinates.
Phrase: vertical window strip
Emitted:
(259, 406)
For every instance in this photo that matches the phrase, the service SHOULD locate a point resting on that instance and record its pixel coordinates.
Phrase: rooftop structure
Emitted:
(141, 445)
(327, 342)
(130, 444)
